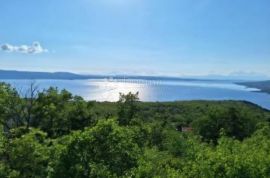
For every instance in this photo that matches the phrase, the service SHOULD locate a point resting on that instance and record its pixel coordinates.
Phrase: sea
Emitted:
(108, 89)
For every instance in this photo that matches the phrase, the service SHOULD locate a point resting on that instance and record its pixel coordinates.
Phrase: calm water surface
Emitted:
(108, 90)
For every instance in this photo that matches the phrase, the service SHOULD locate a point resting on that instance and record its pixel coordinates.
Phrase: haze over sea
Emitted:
(152, 90)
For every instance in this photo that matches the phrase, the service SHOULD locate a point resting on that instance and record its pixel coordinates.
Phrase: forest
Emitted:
(54, 134)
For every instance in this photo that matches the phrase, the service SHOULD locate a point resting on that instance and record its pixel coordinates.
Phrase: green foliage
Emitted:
(127, 107)
(28, 155)
(2, 139)
(175, 143)
(104, 150)
(154, 163)
(51, 112)
(231, 121)
(231, 158)
(80, 114)
(11, 108)
(58, 113)
(56, 134)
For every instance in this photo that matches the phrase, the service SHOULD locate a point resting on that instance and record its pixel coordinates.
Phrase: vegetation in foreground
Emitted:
(54, 134)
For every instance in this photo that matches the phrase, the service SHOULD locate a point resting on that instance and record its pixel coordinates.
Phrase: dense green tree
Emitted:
(51, 112)
(104, 150)
(2, 139)
(28, 154)
(174, 142)
(11, 107)
(154, 163)
(58, 112)
(80, 114)
(127, 107)
(231, 121)
(5, 170)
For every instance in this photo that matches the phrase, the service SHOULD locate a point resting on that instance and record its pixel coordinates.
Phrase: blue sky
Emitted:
(153, 37)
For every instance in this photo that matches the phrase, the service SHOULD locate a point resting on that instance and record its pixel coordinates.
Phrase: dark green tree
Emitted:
(106, 150)
(127, 107)
(231, 121)
(11, 107)
(52, 111)
(28, 155)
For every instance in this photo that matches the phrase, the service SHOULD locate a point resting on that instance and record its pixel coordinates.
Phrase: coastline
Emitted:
(263, 86)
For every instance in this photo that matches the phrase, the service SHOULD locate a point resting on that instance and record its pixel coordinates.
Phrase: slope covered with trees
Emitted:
(55, 134)
(264, 86)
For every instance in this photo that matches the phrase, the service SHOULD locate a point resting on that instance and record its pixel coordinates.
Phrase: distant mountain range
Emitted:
(13, 74)
(240, 76)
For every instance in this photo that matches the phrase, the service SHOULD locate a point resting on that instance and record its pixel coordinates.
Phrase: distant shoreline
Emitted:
(264, 86)
(31, 75)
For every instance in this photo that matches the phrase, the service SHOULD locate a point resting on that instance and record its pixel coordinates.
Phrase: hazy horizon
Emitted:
(231, 76)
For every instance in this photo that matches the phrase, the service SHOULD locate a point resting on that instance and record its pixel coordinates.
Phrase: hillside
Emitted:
(12, 74)
(264, 86)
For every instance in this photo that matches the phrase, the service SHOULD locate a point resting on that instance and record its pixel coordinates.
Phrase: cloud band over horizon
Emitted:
(35, 48)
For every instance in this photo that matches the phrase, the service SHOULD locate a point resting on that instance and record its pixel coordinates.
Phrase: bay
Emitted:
(151, 90)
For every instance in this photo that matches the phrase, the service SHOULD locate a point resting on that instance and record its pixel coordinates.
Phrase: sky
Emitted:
(142, 37)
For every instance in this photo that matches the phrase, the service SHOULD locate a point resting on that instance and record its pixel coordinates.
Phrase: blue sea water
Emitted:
(151, 90)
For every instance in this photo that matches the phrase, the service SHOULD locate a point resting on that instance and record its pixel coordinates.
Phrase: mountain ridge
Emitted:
(32, 75)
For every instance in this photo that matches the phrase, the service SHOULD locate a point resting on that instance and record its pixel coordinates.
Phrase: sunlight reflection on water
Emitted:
(152, 90)
(109, 91)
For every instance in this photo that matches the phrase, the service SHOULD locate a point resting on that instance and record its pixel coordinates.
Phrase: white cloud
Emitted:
(35, 48)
